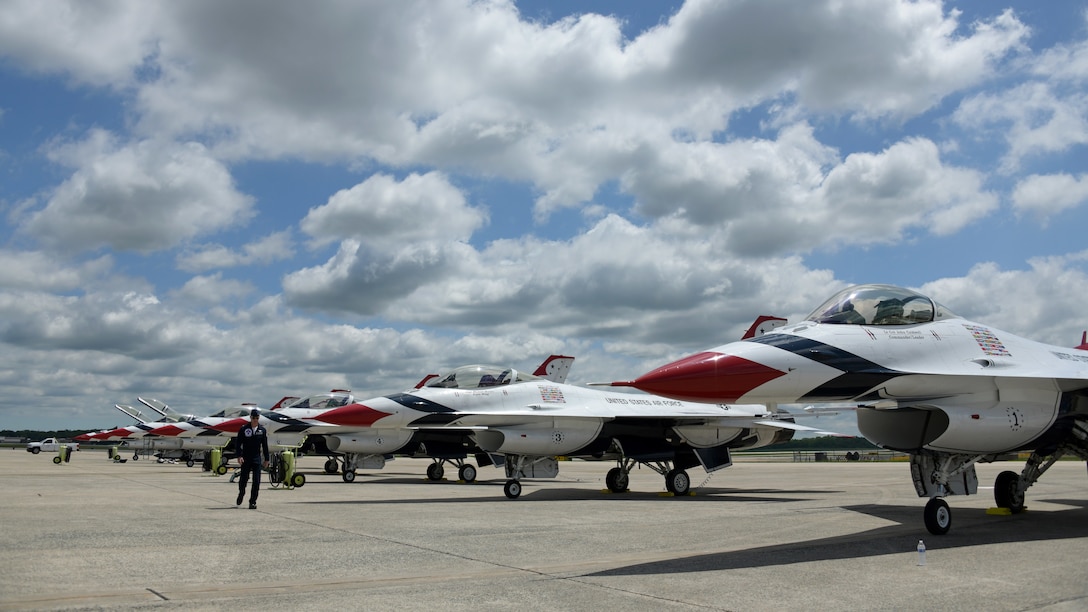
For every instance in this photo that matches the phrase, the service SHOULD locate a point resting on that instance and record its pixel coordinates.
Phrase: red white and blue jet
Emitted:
(948, 391)
(525, 422)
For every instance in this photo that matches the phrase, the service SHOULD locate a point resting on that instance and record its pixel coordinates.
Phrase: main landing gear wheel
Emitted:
(331, 467)
(349, 476)
(617, 480)
(512, 489)
(938, 517)
(678, 482)
(435, 471)
(136, 457)
(189, 463)
(1007, 492)
(467, 473)
(297, 480)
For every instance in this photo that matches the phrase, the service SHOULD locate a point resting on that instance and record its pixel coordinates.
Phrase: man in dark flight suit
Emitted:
(251, 443)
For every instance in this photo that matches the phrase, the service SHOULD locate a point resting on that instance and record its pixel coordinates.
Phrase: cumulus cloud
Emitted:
(1046, 196)
(213, 289)
(146, 196)
(1064, 62)
(876, 197)
(99, 43)
(40, 271)
(1032, 118)
(357, 280)
(1023, 301)
(793, 194)
(874, 58)
(274, 247)
(395, 236)
(385, 213)
(472, 85)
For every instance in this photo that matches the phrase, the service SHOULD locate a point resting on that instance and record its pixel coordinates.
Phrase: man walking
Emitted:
(251, 443)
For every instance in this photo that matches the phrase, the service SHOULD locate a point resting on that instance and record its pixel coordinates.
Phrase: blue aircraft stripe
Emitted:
(436, 419)
(859, 374)
(418, 403)
(438, 414)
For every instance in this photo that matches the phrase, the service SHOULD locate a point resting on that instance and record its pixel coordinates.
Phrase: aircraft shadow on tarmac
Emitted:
(556, 492)
(971, 528)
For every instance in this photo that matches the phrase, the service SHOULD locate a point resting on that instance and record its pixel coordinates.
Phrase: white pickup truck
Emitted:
(49, 445)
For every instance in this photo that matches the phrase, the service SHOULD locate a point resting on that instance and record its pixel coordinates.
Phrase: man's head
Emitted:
(254, 414)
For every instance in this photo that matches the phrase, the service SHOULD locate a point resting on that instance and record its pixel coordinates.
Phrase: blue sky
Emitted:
(210, 203)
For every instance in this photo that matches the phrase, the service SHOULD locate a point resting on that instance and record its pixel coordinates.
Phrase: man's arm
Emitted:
(238, 448)
(264, 446)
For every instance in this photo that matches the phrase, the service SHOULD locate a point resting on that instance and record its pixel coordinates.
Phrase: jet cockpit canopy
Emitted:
(479, 377)
(879, 305)
(241, 410)
(323, 401)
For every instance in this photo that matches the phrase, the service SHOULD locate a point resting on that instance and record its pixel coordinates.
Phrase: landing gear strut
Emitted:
(939, 474)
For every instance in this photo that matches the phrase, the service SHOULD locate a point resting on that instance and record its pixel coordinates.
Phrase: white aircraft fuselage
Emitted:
(925, 381)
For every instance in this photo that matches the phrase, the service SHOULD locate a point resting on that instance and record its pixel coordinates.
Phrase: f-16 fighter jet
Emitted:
(526, 422)
(948, 391)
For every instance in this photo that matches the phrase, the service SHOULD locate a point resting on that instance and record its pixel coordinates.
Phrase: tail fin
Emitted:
(1083, 341)
(555, 368)
(763, 324)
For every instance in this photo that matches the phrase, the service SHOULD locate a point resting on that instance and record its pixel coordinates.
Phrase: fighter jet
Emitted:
(948, 391)
(526, 422)
(176, 435)
(347, 440)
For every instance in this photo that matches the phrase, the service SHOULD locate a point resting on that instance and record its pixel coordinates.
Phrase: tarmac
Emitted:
(94, 534)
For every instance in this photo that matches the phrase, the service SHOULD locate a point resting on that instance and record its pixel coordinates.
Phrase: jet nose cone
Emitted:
(358, 415)
(706, 377)
(230, 425)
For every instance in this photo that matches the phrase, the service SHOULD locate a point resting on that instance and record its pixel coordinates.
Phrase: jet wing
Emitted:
(796, 427)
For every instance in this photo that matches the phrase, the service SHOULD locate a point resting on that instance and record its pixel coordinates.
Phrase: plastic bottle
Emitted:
(921, 553)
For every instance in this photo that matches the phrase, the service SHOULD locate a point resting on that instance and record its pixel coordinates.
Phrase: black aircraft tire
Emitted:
(678, 482)
(616, 480)
(467, 473)
(348, 475)
(937, 516)
(1007, 492)
(512, 489)
(435, 471)
(331, 467)
(190, 463)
